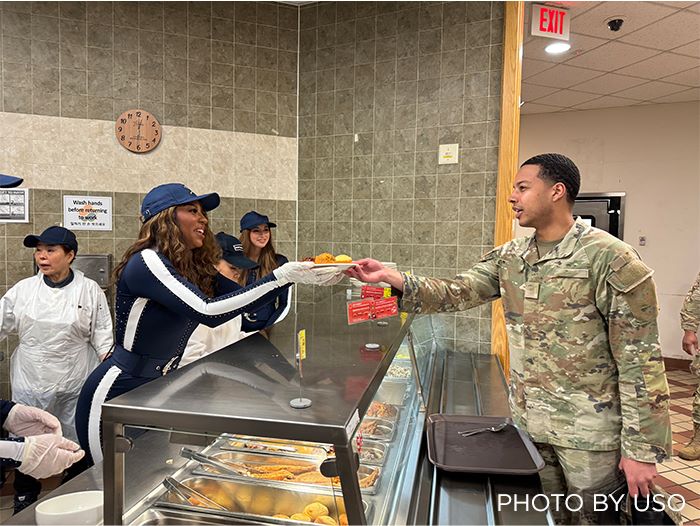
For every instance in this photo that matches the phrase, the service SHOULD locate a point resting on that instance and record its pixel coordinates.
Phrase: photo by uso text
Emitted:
(574, 502)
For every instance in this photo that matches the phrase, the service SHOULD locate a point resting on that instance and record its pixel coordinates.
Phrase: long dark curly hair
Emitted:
(161, 233)
(267, 259)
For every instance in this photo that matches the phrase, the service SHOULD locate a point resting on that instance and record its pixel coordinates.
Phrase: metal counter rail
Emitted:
(469, 384)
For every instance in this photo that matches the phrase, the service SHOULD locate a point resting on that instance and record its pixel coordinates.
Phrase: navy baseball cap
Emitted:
(232, 251)
(9, 181)
(253, 219)
(174, 194)
(54, 235)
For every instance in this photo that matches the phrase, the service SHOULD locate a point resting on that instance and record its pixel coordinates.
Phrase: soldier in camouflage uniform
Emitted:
(587, 381)
(690, 322)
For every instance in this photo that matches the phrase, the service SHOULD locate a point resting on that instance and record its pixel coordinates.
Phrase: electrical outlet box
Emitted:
(448, 154)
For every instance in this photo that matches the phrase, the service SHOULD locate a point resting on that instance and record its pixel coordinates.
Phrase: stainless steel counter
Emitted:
(232, 390)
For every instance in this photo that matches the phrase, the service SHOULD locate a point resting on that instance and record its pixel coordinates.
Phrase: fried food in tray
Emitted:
(284, 469)
(382, 410)
(377, 429)
(241, 443)
(264, 503)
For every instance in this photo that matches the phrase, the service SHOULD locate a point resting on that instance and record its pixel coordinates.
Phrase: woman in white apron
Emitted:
(65, 330)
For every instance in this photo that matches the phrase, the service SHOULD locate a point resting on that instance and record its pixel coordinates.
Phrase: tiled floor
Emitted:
(682, 476)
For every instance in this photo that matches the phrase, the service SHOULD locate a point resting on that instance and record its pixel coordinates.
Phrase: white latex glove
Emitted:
(303, 272)
(48, 455)
(25, 421)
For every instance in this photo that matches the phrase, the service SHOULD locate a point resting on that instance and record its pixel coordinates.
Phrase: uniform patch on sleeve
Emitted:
(627, 273)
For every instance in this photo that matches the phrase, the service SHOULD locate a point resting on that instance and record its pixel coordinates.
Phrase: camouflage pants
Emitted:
(585, 473)
(695, 369)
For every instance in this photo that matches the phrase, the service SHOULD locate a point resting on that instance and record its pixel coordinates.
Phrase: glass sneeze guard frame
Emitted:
(175, 402)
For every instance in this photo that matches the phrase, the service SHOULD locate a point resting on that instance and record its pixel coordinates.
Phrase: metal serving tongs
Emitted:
(185, 493)
(268, 445)
(231, 469)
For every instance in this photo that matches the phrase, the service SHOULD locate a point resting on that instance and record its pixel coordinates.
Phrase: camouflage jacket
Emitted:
(690, 313)
(586, 367)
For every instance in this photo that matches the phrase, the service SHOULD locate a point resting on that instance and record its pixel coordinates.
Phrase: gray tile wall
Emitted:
(219, 65)
(16, 260)
(382, 84)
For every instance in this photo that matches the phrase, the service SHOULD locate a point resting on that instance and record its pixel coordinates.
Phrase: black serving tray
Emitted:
(507, 452)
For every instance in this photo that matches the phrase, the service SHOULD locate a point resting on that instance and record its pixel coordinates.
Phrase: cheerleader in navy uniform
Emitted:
(167, 284)
(256, 238)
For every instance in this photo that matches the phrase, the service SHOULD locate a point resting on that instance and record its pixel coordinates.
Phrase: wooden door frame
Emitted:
(507, 155)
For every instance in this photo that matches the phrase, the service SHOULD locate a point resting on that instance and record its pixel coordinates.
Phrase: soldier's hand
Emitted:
(372, 271)
(690, 343)
(640, 476)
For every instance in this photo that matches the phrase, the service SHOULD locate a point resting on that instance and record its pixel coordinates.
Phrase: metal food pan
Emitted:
(268, 460)
(258, 502)
(154, 516)
(392, 392)
(385, 429)
(393, 407)
(402, 364)
(269, 447)
(373, 453)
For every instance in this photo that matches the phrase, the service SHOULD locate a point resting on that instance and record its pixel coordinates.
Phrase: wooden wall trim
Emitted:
(507, 155)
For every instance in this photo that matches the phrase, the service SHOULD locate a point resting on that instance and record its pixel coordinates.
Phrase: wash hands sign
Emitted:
(87, 213)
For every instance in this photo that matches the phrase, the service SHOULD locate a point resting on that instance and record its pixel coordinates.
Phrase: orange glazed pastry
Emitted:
(324, 258)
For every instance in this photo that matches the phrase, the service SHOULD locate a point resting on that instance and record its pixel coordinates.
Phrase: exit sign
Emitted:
(550, 21)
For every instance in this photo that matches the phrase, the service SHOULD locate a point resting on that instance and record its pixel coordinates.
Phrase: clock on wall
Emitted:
(138, 131)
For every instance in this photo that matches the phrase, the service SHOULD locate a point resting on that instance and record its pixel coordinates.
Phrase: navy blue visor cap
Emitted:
(174, 194)
(232, 251)
(54, 235)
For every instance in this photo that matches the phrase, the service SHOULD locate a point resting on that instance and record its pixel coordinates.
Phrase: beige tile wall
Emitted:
(381, 85)
(83, 154)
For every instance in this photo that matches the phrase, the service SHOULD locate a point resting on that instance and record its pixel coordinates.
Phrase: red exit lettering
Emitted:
(552, 21)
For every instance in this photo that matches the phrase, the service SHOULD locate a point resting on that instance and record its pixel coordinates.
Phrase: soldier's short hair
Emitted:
(558, 168)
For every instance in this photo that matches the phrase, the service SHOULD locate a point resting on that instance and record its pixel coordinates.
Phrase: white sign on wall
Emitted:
(87, 213)
(14, 205)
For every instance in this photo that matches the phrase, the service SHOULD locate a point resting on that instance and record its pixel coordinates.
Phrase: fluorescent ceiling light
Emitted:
(556, 48)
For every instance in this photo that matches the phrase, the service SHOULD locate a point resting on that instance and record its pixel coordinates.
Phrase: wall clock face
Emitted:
(138, 131)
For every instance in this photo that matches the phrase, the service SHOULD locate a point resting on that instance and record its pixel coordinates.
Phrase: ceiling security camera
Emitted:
(615, 24)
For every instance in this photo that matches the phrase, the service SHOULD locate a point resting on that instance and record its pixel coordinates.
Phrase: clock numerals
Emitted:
(134, 133)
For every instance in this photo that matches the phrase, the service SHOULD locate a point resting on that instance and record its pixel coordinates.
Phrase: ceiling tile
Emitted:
(579, 45)
(668, 33)
(681, 96)
(563, 76)
(687, 78)
(695, 7)
(609, 83)
(659, 66)
(533, 67)
(678, 5)
(636, 15)
(612, 56)
(531, 92)
(692, 49)
(567, 97)
(650, 90)
(605, 102)
(533, 107)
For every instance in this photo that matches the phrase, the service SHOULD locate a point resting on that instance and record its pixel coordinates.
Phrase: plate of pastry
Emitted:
(326, 259)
